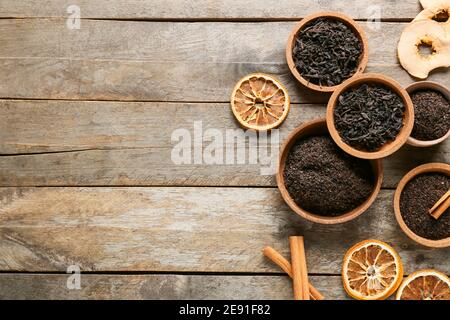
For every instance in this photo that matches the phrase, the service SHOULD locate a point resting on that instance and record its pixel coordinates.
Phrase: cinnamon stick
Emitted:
(278, 259)
(299, 269)
(285, 265)
(441, 206)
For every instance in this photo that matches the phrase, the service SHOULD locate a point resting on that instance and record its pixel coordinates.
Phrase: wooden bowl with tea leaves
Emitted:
(421, 171)
(370, 116)
(313, 190)
(427, 86)
(323, 65)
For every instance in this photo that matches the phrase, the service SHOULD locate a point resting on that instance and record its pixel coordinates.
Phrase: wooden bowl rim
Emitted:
(334, 15)
(425, 168)
(377, 169)
(433, 86)
(388, 148)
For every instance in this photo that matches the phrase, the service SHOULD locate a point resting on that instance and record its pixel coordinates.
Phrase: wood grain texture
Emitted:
(161, 61)
(181, 229)
(165, 229)
(160, 287)
(118, 143)
(208, 9)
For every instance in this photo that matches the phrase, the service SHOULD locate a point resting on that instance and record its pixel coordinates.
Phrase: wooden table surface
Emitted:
(86, 175)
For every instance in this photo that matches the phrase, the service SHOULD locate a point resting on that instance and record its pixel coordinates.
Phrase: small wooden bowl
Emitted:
(424, 85)
(312, 128)
(389, 147)
(426, 168)
(332, 15)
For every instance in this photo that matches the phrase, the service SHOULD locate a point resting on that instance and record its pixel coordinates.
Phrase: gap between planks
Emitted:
(176, 20)
(141, 101)
(154, 186)
(178, 273)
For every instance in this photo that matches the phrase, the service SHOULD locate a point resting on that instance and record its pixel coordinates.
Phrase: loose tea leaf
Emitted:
(418, 196)
(324, 180)
(327, 52)
(368, 116)
(431, 115)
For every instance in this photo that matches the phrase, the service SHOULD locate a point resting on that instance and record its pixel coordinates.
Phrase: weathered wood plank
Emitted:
(157, 61)
(155, 287)
(181, 229)
(208, 9)
(202, 42)
(130, 144)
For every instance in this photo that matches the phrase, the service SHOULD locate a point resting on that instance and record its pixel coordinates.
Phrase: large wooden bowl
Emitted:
(389, 147)
(426, 168)
(332, 15)
(424, 85)
(312, 128)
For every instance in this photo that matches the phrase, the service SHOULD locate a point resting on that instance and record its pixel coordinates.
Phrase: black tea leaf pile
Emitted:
(327, 52)
(324, 180)
(369, 115)
(431, 115)
(419, 195)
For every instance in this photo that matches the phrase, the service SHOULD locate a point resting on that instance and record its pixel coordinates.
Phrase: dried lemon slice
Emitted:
(425, 285)
(372, 270)
(260, 102)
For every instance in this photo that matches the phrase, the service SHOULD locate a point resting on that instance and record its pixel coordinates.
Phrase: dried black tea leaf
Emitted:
(431, 115)
(369, 115)
(324, 180)
(327, 52)
(418, 196)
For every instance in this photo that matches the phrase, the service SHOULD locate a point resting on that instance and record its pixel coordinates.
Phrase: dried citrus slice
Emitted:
(425, 285)
(260, 102)
(372, 270)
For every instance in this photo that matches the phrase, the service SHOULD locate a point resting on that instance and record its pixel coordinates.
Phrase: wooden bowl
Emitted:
(332, 15)
(426, 168)
(389, 147)
(423, 85)
(312, 128)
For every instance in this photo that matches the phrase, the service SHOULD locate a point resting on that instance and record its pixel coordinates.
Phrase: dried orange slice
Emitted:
(425, 285)
(372, 270)
(260, 102)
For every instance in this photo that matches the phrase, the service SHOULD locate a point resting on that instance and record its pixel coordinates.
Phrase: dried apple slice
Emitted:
(428, 33)
(433, 3)
(425, 285)
(260, 102)
(372, 270)
(436, 11)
